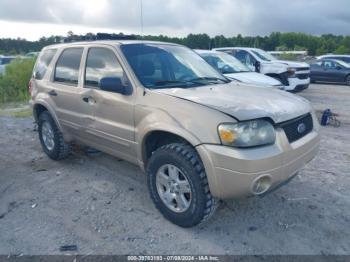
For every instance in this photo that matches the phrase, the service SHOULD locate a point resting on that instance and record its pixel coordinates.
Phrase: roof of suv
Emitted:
(108, 42)
(330, 55)
(242, 48)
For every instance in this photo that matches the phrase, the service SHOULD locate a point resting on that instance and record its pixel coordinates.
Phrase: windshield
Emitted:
(167, 66)
(225, 63)
(340, 62)
(263, 55)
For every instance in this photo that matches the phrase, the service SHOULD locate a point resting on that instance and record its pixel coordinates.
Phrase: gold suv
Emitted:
(198, 136)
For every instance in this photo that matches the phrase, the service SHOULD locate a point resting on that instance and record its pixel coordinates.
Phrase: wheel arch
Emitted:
(157, 138)
(40, 107)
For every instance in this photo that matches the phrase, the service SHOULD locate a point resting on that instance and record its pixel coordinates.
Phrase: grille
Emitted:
(303, 76)
(302, 68)
(297, 128)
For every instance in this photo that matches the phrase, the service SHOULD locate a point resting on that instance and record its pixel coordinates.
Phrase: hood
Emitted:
(292, 63)
(245, 102)
(255, 78)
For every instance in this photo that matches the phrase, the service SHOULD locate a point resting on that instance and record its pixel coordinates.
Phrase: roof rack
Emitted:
(98, 36)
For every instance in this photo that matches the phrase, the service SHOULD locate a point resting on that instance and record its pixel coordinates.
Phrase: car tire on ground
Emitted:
(348, 80)
(51, 138)
(178, 185)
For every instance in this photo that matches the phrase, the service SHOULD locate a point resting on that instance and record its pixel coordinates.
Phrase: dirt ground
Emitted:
(102, 205)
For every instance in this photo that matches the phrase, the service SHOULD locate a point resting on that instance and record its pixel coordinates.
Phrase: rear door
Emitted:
(113, 127)
(333, 71)
(66, 94)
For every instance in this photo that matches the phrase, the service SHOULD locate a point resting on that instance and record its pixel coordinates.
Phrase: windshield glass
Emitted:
(225, 63)
(167, 66)
(263, 55)
(340, 62)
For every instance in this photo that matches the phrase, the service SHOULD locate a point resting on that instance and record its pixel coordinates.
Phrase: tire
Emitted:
(57, 148)
(347, 81)
(183, 157)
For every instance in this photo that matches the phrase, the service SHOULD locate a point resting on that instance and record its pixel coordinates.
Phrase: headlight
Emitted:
(247, 134)
(291, 72)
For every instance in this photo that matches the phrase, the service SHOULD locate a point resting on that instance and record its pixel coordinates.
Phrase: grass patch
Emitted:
(14, 83)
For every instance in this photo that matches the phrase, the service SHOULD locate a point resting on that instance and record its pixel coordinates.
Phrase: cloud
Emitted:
(180, 17)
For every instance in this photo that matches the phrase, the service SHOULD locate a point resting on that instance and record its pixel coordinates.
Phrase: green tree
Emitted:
(342, 50)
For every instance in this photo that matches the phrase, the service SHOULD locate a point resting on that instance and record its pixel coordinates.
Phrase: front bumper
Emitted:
(232, 172)
(296, 84)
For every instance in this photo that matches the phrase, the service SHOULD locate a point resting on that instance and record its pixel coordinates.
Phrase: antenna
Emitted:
(141, 17)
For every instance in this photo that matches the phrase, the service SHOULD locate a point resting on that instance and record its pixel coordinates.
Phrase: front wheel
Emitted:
(178, 185)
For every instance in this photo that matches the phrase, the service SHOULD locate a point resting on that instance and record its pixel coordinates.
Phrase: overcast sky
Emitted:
(32, 19)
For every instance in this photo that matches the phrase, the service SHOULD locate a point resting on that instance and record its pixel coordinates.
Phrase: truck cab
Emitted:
(295, 76)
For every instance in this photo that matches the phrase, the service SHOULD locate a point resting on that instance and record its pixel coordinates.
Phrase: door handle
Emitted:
(52, 93)
(89, 99)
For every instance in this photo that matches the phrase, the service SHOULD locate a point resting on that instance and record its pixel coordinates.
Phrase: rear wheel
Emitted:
(51, 138)
(348, 80)
(179, 186)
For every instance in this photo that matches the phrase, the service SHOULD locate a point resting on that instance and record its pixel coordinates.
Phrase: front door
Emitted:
(113, 126)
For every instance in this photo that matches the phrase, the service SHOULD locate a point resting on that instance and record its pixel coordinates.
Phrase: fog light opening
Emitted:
(261, 184)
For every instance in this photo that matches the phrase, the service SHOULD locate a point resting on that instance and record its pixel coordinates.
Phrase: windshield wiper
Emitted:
(174, 84)
(210, 79)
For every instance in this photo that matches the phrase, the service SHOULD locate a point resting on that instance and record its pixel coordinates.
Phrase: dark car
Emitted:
(345, 58)
(331, 71)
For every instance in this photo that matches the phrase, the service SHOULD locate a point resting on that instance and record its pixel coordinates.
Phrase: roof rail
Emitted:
(98, 36)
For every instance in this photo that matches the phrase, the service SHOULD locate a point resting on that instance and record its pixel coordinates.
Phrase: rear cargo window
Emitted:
(43, 63)
(67, 66)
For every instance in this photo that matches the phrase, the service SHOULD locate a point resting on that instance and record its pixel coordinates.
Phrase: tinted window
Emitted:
(241, 55)
(67, 67)
(245, 58)
(329, 65)
(43, 62)
(101, 63)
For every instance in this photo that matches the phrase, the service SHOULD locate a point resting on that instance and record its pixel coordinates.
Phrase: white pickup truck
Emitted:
(295, 76)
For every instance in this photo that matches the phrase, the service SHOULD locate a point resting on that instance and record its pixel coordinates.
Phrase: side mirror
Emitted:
(114, 84)
(339, 67)
(257, 66)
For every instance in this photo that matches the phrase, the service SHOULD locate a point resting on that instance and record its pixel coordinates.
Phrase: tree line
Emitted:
(315, 45)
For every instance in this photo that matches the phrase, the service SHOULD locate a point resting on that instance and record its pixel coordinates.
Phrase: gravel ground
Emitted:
(102, 205)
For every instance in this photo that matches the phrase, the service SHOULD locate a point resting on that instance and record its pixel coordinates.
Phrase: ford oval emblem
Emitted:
(301, 128)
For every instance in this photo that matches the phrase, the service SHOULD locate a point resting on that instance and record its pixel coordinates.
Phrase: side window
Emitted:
(241, 55)
(318, 63)
(67, 66)
(246, 58)
(329, 65)
(101, 63)
(43, 62)
(250, 60)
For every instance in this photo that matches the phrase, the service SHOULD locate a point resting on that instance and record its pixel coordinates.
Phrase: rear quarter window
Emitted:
(43, 62)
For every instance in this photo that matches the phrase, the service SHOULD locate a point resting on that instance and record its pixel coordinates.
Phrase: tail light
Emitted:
(30, 87)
